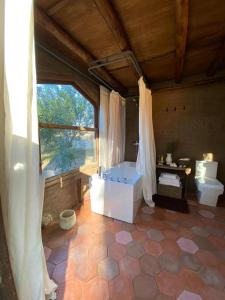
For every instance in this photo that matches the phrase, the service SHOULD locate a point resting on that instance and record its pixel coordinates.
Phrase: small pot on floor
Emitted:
(67, 219)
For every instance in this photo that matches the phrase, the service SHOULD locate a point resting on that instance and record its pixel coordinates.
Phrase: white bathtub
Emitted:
(118, 193)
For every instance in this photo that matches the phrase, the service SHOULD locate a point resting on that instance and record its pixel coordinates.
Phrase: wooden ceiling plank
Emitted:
(182, 16)
(111, 18)
(62, 36)
(219, 59)
(58, 6)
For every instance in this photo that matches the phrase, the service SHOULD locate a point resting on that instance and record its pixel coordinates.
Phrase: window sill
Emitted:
(87, 170)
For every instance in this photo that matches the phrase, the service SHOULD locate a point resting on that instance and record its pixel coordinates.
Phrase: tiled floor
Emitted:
(164, 256)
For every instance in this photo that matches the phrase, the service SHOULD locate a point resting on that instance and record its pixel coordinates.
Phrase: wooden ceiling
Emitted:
(171, 39)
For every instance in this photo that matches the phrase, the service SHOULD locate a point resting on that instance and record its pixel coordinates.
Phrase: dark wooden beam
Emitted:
(70, 43)
(58, 6)
(111, 18)
(218, 61)
(182, 12)
(109, 14)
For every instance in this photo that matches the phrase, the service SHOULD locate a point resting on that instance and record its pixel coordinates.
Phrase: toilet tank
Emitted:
(206, 168)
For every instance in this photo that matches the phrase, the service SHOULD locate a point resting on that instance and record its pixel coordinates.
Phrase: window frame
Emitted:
(71, 127)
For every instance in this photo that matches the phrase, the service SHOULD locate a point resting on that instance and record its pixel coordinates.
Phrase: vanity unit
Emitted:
(171, 200)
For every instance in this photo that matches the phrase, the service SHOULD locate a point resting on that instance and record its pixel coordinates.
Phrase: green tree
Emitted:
(62, 104)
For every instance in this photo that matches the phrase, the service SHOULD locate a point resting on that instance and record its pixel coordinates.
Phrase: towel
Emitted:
(173, 182)
(169, 175)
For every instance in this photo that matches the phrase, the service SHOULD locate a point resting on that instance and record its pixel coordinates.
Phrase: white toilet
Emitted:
(209, 188)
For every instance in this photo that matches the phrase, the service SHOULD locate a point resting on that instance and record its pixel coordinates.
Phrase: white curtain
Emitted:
(21, 185)
(116, 131)
(146, 160)
(103, 127)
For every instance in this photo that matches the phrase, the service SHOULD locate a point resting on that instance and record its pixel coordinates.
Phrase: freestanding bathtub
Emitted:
(118, 192)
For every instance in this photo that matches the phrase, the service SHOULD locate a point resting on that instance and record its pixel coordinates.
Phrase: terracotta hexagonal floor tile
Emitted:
(58, 255)
(145, 218)
(153, 248)
(135, 249)
(186, 295)
(148, 210)
(192, 280)
(96, 288)
(116, 251)
(72, 289)
(200, 231)
(162, 296)
(108, 268)
(145, 287)
(50, 268)
(129, 266)
(47, 252)
(121, 288)
(207, 258)
(150, 265)
(86, 270)
(64, 271)
(206, 214)
(170, 246)
(78, 253)
(214, 230)
(186, 232)
(220, 254)
(129, 227)
(170, 234)
(213, 277)
(157, 224)
(105, 238)
(114, 227)
(204, 243)
(99, 228)
(170, 262)
(187, 245)
(155, 235)
(97, 252)
(139, 235)
(142, 226)
(209, 293)
(190, 261)
(123, 237)
(84, 229)
(218, 242)
(169, 284)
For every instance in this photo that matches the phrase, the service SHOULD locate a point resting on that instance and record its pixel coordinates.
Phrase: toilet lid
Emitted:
(210, 183)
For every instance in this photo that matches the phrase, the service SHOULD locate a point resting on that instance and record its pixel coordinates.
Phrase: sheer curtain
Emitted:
(146, 161)
(21, 186)
(116, 131)
(103, 127)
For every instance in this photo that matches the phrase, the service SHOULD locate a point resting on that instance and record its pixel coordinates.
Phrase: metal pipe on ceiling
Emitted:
(96, 64)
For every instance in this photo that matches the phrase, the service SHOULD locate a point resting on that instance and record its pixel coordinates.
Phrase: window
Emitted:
(67, 133)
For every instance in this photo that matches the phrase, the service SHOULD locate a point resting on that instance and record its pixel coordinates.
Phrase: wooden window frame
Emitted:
(70, 127)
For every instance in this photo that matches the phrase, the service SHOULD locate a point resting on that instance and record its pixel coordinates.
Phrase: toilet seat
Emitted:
(210, 183)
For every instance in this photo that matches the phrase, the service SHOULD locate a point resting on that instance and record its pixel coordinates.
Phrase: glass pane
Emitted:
(63, 104)
(64, 150)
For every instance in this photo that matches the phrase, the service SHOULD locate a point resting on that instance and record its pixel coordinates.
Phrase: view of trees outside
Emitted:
(62, 149)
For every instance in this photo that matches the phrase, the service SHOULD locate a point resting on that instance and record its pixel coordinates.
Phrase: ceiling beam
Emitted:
(68, 42)
(58, 6)
(109, 14)
(218, 61)
(182, 12)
